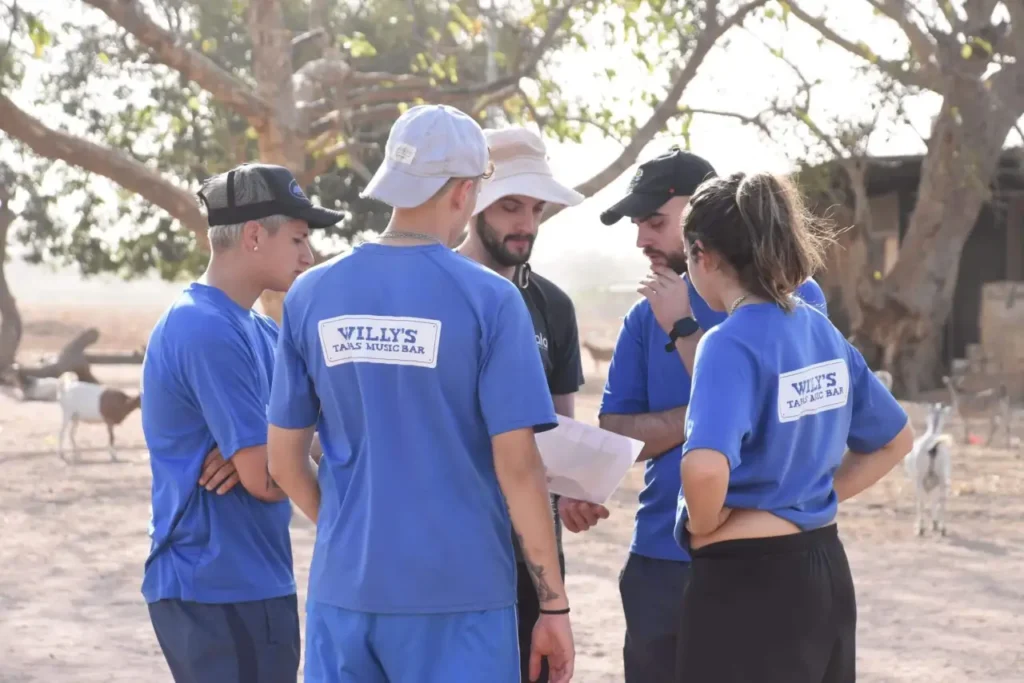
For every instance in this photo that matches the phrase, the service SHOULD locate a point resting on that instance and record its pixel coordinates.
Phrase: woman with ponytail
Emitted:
(785, 422)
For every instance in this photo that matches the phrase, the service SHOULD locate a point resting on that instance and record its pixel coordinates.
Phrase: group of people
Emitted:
(396, 406)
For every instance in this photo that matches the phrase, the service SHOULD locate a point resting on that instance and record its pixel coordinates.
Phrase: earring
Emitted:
(256, 248)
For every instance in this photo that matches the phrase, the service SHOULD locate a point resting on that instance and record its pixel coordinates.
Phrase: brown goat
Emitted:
(94, 403)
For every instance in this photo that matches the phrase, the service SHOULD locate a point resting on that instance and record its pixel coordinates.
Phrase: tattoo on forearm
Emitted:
(544, 592)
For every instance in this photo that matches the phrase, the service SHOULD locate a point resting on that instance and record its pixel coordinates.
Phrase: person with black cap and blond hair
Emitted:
(645, 397)
(218, 579)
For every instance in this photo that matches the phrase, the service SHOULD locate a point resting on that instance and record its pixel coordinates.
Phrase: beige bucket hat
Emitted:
(521, 167)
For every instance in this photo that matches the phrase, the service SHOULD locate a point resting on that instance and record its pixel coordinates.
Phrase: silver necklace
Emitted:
(402, 234)
(735, 304)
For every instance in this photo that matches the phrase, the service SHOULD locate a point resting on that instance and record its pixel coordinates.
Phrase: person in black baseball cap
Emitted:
(673, 174)
(220, 563)
(645, 397)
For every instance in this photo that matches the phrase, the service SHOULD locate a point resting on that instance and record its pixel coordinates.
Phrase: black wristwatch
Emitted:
(682, 328)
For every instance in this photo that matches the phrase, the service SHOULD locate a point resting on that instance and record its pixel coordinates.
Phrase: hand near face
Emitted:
(668, 294)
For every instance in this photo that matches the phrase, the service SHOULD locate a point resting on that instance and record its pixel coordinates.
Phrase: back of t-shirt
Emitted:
(782, 396)
(409, 359)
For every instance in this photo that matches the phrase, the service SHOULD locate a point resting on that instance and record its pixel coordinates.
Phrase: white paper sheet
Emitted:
(586, 462)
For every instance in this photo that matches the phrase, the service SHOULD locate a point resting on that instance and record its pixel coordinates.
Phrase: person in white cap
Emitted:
(421, 370)
(501, 236)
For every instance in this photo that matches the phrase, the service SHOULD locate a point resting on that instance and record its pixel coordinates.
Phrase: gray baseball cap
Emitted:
(428, 145)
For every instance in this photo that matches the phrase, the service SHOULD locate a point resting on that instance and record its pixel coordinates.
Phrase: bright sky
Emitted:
(740, 75)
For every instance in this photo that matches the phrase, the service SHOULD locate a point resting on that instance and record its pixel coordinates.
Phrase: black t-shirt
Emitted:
(558, 340)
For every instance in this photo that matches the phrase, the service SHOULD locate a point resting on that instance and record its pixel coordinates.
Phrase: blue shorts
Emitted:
(465, 647)
(254, 642)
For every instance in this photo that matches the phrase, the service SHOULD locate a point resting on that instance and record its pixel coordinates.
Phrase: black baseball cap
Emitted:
(288, 199)
(673, 174)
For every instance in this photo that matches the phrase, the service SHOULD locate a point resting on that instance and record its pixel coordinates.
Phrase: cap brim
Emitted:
(399, 189)
(318, 218)
(634, 205)
(544, 188)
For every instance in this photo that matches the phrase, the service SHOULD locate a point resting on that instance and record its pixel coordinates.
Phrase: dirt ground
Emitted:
(932, 609)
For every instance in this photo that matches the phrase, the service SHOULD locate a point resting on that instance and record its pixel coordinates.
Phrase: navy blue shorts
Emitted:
(242, 642)
(464, 647)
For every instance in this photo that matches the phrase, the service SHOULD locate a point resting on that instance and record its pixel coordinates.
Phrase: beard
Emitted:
(498, 247)
(676, 260)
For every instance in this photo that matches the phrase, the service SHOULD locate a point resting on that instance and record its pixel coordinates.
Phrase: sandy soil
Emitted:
(932, 609)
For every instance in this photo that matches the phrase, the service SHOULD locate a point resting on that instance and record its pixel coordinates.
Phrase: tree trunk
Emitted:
(903, 317)
(279, 141)
(10, 319)
(72, 358)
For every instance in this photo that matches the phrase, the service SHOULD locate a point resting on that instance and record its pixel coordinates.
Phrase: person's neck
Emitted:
(733, 292)
(228, 274)
(419, 221)
(474, 249)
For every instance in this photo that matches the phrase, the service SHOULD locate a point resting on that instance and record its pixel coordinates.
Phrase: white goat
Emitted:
(36, 388)
(929, 465)
(88, 402)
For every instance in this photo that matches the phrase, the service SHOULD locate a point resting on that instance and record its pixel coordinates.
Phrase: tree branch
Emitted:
(669, 107)
(169, 50)
(921, 43)
(107, 162)
(924, 78)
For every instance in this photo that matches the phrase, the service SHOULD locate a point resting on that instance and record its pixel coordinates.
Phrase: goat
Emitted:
(929, 465)
(993, 403)
(34, 388)
(598, 353)
(885, 377)
(89, 402)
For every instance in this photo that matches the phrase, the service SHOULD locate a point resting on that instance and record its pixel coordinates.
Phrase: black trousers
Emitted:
(528, 608)
(769, 610)
(652, 593)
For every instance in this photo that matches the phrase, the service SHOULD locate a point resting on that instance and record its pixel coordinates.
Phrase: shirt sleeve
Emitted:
(294, 403)
(513, 390)
(877, 417)
(625, 389)
(567, 375)
(723, 397)
(810, 293)
(220, 369)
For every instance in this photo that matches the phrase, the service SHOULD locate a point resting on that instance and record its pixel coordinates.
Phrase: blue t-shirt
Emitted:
(409, 359)
(206, 382)
(782, 396)
(644, 378)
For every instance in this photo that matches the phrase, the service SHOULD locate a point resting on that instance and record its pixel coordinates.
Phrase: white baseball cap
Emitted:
(428, 145)
(521, 168)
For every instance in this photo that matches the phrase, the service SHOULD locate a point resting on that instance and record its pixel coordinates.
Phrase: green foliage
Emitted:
(96, 81)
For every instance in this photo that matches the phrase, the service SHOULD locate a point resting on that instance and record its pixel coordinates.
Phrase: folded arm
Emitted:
(660, 432)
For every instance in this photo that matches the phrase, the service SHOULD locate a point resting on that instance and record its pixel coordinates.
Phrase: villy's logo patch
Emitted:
(296, 190)
(380, 339)
(813, 389)
(542, 341)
